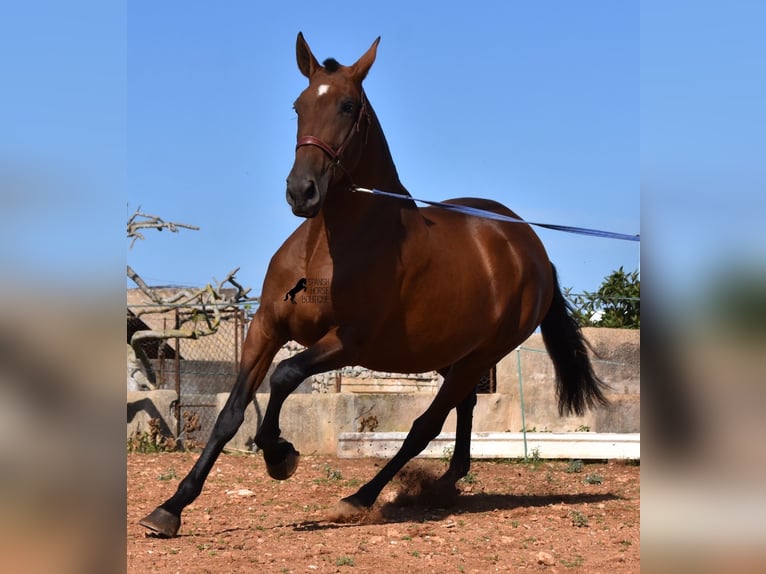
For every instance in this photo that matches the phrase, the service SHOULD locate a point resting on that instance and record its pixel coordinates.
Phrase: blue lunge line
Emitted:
(491, 215)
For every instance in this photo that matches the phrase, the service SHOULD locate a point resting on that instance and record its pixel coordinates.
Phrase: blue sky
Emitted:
(532, 104)
(614, 115)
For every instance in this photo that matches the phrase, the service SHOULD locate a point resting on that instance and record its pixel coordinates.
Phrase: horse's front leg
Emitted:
(257, 354)
(280, 455)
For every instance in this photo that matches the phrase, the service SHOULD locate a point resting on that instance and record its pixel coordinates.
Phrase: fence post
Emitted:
(521, 400)
(177, 364)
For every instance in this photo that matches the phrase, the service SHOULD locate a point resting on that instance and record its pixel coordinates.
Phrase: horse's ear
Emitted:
(307, 63)
(364, 63)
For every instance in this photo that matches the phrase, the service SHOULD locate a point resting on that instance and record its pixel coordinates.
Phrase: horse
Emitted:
(451, 292)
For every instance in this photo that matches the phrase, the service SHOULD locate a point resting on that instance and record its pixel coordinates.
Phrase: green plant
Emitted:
(593, 479)
(617, 303)
(575, 466)
(332, 473)
(470, 478)
(345, 561)
(169, 475)
(574, 563)
(578, 518)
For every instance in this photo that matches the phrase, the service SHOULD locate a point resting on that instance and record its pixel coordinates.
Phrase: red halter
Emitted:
(334, 154)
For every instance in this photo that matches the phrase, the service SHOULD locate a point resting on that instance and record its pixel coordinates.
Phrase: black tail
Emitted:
(577, 386)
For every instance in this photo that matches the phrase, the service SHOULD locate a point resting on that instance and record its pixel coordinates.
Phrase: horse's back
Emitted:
(477, 281)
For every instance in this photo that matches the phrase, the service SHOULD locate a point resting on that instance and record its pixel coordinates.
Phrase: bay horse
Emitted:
(402, 289)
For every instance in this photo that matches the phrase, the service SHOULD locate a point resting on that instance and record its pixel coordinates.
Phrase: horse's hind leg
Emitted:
(460, 463)
(459, 383)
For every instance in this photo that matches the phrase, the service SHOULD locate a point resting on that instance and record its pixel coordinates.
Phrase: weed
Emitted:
(368, 423)
(331, 475)
(470, 478)
(578, 518)
(583, 428)
(575, 466)
(154, 440)
(151, 440)
(345, 561)
(574, 563)
(447, 453)
(593, 479)
(169, 475)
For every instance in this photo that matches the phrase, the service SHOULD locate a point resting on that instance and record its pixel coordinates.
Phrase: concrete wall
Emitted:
(616, 361)
(146, 405)
(312, 421)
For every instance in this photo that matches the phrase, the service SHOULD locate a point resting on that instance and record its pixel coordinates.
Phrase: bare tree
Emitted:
(200, 310)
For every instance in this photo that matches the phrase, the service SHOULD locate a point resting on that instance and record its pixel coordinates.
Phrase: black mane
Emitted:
(331, 65)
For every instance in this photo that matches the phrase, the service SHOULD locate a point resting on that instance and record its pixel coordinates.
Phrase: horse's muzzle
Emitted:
(304, 197)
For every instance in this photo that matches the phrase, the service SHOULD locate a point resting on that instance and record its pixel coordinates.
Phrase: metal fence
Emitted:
(197, 369)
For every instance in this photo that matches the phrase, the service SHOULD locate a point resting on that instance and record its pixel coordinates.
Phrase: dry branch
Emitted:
(201, 309)
(141, 220)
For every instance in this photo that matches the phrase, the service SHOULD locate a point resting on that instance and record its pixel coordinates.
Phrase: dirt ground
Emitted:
(539, 516)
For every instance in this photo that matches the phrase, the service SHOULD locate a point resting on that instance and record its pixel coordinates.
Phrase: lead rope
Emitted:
(464, 209)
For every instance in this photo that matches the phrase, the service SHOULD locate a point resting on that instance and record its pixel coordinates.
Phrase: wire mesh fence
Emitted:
(196, 368)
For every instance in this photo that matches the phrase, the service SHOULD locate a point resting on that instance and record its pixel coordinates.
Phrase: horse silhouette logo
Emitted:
(299, 286)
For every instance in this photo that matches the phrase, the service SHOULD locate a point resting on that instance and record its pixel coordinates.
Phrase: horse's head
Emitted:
(332, 126)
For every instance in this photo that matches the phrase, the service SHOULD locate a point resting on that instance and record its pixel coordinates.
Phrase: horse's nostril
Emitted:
(311, 191)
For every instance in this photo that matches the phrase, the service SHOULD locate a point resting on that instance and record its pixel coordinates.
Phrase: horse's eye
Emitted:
(347, 106)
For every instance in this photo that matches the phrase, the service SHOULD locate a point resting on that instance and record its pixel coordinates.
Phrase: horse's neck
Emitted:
(349, 217)
(376, 169)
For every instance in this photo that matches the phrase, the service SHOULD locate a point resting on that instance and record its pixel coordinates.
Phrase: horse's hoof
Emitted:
(162, 523)
(285, 468)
